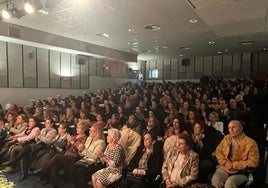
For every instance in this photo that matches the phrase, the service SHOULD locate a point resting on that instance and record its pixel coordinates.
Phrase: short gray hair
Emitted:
(115, 133)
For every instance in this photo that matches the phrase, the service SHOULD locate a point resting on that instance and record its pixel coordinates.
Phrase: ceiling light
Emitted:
(132, 31)
(153, 27)
(211, 42)
(105, 35)
(181, 55)
(32, 6)
(193, 21)
(184, 48)
(219, 52)
(165, 47)
(6, 14)
(247, 42)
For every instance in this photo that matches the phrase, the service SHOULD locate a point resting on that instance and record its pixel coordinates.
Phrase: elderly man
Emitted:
(235, 154)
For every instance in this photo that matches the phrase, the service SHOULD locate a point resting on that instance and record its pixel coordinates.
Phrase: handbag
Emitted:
(135, 178)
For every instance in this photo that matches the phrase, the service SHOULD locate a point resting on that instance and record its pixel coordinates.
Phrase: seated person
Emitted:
(3, 132)
(171, 140)
(65, 161)
(44, 139)
(206, 139)
(85, 167)
(129, 140)
(147, 163)
(19, 126)
(17, 143)
(235, 154)
(114, 158)
(180, 167)
(41, 157)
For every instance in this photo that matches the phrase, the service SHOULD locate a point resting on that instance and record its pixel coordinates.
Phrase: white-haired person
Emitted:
(114, 158)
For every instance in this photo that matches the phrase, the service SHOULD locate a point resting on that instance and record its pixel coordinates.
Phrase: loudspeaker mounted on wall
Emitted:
(81, 59)
(31, 55)
(185, 62)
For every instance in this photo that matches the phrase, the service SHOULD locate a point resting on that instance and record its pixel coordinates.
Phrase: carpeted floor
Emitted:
(31, 181)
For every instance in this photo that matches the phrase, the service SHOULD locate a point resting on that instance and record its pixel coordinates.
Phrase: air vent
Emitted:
(153, 27)
(14, 32)
(247, 42)
(184, 48)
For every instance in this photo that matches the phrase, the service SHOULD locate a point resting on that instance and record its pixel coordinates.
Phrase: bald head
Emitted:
(235, 128)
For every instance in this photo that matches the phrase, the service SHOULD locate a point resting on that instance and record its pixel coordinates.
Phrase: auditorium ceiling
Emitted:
(157, 29)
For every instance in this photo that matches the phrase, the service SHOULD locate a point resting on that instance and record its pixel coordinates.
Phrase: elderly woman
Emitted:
(180, 167)
(85, 167)
(114, 158)
(65, 161)
(146, 164)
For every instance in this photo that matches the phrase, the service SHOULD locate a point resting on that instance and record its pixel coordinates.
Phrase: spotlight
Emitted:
(6, 14)
(32, 5)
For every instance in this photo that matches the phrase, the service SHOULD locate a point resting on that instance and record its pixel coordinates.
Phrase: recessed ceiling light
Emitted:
(219, 52)
(132, 31)
(226, 50)
(247, 42)
(193, 21)
(105, 35)
(211, 42)
(44, 12)
(184, 48)
(153, 27)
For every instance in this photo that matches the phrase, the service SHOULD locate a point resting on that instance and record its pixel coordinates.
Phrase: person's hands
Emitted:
(170, 183)
(70, 139)
(229, 167)
(81, 147)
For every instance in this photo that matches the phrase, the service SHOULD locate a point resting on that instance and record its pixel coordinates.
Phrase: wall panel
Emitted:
(54, 69)
(166, 69)
(75, 72)
(15, 68)
(84, 82)
(3, 64)
(174, 68)
(236, 64)
(65, 70)
(29, 63)
(217, 65)
(42, 68)
(207, 66)
(227, 65)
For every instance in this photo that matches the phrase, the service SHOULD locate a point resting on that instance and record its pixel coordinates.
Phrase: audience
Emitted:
(168, 110)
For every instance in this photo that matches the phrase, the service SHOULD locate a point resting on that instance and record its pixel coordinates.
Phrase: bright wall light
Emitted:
(28, 8)
(5, 14)
(32, 6)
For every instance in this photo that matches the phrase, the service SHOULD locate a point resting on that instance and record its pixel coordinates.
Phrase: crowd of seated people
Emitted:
(164, 134)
